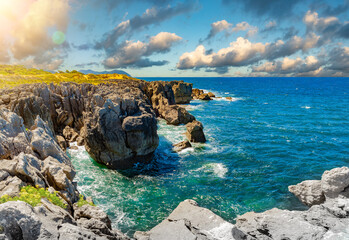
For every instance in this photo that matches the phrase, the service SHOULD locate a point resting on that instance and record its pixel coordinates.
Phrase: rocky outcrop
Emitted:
(119, 125)
(19, 220)
(195, 132)
(199, 94)
(189, 221)
(163, 102)
(33, 157)
(333, 183)
(182, 91)
(181, 146)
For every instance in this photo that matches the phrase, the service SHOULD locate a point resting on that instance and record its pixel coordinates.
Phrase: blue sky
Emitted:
(153, 38)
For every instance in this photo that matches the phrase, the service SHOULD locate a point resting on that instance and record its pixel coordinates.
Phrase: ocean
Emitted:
(275, 132)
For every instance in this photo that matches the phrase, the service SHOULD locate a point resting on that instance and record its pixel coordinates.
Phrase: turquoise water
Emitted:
(276, 132)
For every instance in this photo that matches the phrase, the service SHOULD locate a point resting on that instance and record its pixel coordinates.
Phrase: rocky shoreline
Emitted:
(116, 122)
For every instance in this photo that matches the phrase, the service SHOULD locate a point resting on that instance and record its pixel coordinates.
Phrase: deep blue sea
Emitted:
(274, 133)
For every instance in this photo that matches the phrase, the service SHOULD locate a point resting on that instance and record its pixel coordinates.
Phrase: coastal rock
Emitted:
(19, 220)
(61, 142)
(195, 132)
(196, 93)
(189, 221)
(70, 134)
(176, 115)
(308, 192)
(334, 182)
(204, 96)
(182, 91)
(14, 137)
(211, 95)
(182, 145)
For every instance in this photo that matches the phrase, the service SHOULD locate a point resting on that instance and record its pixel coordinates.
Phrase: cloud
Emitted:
(271, 8)
(339, 60)
(83, 65)
(229, 28)
(328, 10)
(132, 54)
(291, 67)
(151, 16)
(242, 52)
(28, 37)
(327, 27)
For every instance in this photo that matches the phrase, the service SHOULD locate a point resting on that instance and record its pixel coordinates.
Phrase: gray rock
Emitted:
(176, 115)
(195, 132)
(308, 192)
(334, 182)
(182, 91)
(189, 221)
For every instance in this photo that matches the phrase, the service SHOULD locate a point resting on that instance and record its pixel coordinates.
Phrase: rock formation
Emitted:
(33, 157)
(195, 132)
(189, 221)
(199, 94)
(182, 145)
(182, 91)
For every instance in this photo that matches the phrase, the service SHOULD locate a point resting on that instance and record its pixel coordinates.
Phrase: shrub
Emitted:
(33, 196)
(83, 202)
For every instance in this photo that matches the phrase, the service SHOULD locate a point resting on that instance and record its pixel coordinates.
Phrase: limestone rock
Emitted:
(176, 115)
(335, 181)
(70, 134)
(195, 132)
(62, 143)
(182, 91)
(204, 96)
(211, 95)
(308, 192)
(189, 221)
(182, 145)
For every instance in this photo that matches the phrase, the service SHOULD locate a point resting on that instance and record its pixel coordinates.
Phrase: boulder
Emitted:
(196, 93)
(176, 115)
(334, 182)
(195, 132)
(308, 192)
(181, 146)
(211, 95)
(189, 221)
(204, 96)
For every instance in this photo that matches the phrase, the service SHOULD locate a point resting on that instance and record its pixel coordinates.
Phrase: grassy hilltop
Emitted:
(13, 75)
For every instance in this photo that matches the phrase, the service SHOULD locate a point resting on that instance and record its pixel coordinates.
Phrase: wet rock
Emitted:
(80, 141)
(196, 93)
(308, 192)
(189, 221)
(211, 95)
(229, 98)
(195, 132)
(204, 96)
(181, 146)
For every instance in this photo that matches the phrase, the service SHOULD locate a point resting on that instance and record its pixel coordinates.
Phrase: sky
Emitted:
(173, 38)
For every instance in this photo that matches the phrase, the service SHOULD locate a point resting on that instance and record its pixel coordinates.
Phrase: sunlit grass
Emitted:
(14, 75)
(33, 196)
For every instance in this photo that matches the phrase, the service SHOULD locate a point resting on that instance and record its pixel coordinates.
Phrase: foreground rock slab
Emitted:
(189, 221)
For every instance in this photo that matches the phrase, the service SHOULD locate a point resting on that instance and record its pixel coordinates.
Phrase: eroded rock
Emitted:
(195, 132)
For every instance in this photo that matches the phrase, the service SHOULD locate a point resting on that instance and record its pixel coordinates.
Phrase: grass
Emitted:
(83, 202)
(14, 75)
(33, 195)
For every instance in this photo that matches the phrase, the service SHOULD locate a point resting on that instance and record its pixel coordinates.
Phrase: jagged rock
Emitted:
(196, 93)
(204, 96)
(189, 221)
(62, 143)
(19, 220)
(70, 134)
(308, 192)
(43, 143)
(195, 132)
(80, 141)
(182, 91)
(176, 115)
(14, 138)
(229, 98)
(11, 186)
(334, 182)
(181, 146)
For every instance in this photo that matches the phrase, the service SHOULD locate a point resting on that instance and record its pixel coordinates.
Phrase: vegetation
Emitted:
(83, 202)
(13, 75)
(33, 195)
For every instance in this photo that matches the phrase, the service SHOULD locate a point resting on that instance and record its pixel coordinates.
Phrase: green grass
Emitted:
(83, 202)
(13, 75)
(33, 196)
